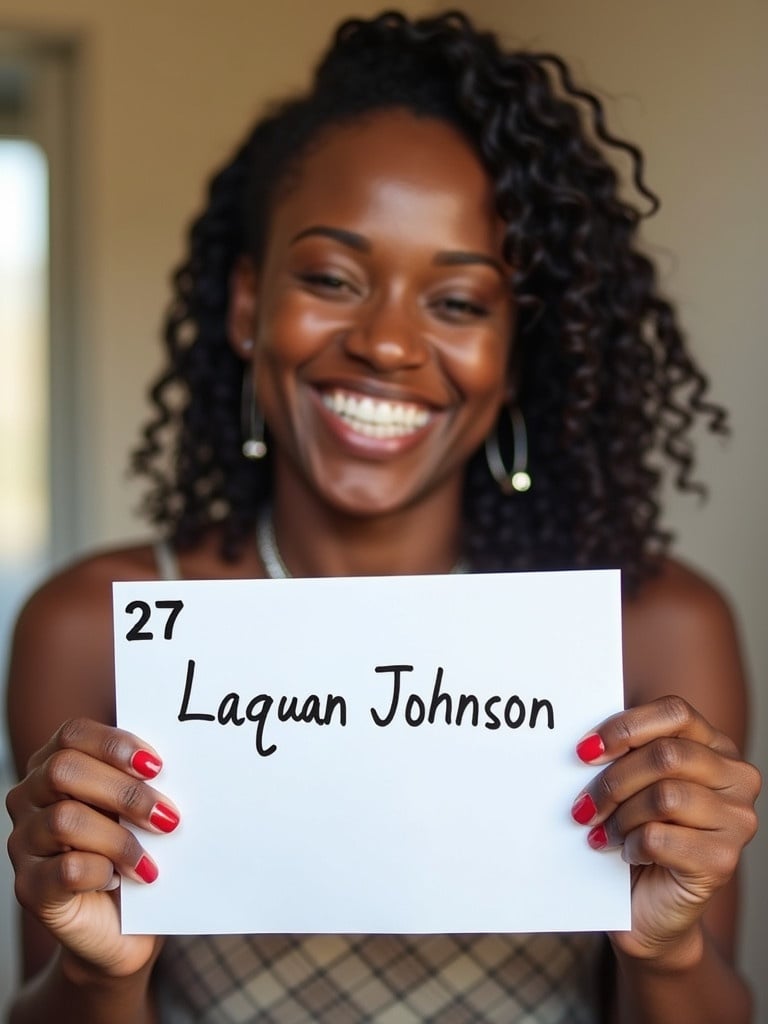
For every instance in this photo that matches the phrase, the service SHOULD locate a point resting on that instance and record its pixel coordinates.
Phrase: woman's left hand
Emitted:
(679, 800)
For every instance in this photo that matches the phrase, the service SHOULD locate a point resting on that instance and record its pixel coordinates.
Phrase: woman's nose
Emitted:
(387, 336)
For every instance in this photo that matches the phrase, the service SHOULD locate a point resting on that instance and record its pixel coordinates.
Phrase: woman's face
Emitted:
(382, 315)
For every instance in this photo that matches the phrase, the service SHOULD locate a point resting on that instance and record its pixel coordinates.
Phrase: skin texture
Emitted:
(381, 311)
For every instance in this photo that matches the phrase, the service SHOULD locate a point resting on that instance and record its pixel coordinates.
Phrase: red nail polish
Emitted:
(598, 838)
(163, 817)
(584, 809)
(146, 764)
(146, 869)
(590, 748)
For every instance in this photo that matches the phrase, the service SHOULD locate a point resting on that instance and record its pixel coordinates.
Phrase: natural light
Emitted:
(23, 353)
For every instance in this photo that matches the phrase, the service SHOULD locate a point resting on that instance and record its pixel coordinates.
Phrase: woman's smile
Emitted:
(376, 418)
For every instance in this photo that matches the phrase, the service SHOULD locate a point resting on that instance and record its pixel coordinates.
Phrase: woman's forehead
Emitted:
(394, 165)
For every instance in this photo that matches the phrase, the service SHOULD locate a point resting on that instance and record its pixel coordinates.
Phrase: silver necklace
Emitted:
(272, 560)
(266, 545)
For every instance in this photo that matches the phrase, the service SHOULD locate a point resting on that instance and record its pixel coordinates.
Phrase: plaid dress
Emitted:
(380, 979)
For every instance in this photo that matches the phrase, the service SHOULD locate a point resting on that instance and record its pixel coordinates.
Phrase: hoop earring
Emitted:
(251, 420)
(518, 478)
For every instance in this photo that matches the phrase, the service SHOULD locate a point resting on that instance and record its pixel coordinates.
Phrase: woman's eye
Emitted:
(322, 281)
(457, 308)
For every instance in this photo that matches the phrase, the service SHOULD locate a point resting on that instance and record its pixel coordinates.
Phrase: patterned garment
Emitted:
(380, 979)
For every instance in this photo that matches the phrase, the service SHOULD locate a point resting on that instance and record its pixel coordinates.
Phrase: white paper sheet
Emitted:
(407, 826)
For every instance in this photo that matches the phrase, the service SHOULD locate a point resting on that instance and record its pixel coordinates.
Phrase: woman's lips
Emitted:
(375, 417)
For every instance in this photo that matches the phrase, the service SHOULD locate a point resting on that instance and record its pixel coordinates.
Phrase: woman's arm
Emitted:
(67, 846)
(676, 795)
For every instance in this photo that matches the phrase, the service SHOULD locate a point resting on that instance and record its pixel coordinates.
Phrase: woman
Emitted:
(422, 278)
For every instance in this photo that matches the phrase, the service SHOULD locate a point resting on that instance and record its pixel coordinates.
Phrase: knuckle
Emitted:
(61, 769)
(71, 732)
(64, 820)
(622, 730)
(754, 781)
(666, 756)
(70, 870)
(130, 796)
(13, 802)
(667, 797)
(606, 787)
(112, 747)
(652, 839)
(25, 890)
(677, 710)
(14, 847)
(751, 824)
(726, 860)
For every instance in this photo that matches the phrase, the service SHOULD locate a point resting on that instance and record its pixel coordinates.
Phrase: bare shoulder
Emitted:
(61, 662)
(75, 603)
(61, 658)
(680, 637)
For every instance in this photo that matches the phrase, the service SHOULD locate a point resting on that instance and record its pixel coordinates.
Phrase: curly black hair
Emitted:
(607, 388)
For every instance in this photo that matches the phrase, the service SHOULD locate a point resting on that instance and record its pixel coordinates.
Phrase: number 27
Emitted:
(137, 631)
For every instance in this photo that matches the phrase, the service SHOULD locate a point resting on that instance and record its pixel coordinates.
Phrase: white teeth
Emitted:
(374, 418)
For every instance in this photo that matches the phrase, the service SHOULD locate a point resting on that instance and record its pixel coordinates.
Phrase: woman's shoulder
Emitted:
(62, 660)
(76, 601)
(84, 586)
(61, 663)
(677, 605)
(680, 636)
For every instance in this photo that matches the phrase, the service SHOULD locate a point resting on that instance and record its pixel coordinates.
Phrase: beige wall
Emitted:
(167, 87)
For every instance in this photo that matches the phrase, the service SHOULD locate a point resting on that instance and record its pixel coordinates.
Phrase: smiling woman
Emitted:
(414, 333)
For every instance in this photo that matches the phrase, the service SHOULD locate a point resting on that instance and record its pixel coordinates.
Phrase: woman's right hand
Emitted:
(69, 851)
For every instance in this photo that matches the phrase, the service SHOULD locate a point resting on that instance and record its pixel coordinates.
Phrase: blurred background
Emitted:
(113, 115)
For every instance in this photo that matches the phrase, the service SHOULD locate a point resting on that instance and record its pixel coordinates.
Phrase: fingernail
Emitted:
(146, 869)
(163, 817)
(598, 838)
(584, 809)
(146, 764)
(590, 748)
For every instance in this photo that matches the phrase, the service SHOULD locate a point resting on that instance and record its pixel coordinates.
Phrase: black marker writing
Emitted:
(466, 706)
(231, 711)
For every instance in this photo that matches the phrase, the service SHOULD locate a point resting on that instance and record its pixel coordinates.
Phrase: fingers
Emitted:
(668, 760)
(112, 746)
(677, 848)
(101, 766)
(71, 774)
(673, 802)
(66, 840)
(674, 789)
(666, 717)
(70, 828)
(68, 849)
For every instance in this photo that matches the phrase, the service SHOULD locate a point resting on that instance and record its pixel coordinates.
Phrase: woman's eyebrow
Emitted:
(455, 258)
(349, 238)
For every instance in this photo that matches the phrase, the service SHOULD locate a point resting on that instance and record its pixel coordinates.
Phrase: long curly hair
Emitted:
(607, 388)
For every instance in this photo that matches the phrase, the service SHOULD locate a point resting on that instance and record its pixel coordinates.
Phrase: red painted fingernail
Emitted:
(590, 748)
(146, 869)
(163, 817)
(584, 809)
(146, 764)
(598, 838)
